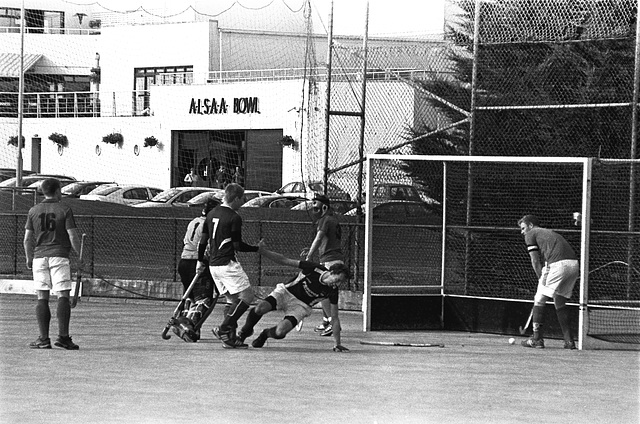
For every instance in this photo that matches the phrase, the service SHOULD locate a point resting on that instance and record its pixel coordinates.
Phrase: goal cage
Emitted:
(456, 259)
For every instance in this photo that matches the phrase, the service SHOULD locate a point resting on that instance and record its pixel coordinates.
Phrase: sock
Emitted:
(64, 316)
(252, 320)
(238, 308)
(43, 316)
(564, 318)
(538, 321)
(271, 332)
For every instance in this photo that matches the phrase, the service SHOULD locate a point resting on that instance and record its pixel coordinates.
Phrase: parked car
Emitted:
(275, 201)
(199, 200)
(404, 212)
(338, 206)
(252, 194)
(389, 191)
(310, 189)
(77, 188)
(32, 179)
(128, 194)
(176, 196)
(6, 173)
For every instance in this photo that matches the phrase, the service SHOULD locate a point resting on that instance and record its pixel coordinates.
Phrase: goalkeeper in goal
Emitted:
(296, 298)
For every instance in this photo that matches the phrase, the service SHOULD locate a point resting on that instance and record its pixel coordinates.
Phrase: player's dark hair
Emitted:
(529, 219)
(232, 192)
(208, 206)
(50, 186)
(340, 268)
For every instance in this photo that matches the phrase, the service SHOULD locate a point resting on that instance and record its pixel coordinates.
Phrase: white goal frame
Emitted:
(586, 163)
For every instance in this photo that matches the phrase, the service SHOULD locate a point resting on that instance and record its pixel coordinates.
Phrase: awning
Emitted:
(10, 64)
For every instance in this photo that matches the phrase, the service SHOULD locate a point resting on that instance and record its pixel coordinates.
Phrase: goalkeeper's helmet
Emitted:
(208, 206)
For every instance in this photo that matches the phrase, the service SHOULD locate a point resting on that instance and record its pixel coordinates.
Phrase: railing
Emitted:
(58, 31)
(76, 104)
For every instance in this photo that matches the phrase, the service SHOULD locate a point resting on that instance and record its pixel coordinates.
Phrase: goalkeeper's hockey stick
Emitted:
(365, 342)
(76, 292)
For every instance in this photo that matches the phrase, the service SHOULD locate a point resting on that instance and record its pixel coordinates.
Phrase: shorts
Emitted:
(289, 304)
(230, 278)
(559, 278)
(52, 273)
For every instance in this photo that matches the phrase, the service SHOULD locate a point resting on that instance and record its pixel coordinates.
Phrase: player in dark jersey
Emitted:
(50, 233)
(556, 265)
(222, 232)
(297, 297)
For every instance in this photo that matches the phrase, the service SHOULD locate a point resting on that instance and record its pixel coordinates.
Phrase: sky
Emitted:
(386, 17)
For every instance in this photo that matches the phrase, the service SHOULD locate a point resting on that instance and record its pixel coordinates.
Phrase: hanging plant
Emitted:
(13, 140)
(150, 141)
(288, 141)
(59, 139)
(113, 138)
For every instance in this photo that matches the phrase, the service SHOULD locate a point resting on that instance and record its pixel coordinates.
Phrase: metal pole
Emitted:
(633, 154)
(20, 99)
(361, 147)
(472, 126)
(328, 101)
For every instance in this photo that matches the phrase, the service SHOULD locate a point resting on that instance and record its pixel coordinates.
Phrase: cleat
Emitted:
(41, 343)
(570, 345)
(539, 343)
(321, 327)
(66, 343)
(242, 336)
(261, 339)
(229, 341)
(327, 331)
(234, 344)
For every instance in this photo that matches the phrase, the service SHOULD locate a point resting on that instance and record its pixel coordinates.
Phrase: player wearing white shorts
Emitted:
(222, 232)
(296, 299)
(50, 233)
(556, 265)
(328, 244)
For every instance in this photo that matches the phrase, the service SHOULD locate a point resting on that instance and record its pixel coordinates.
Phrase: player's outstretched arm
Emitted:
(276, 257)
(335, 325)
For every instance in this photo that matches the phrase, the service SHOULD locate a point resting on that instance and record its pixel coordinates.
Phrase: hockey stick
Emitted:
(76, 292)
(375, 343)
(176, 312)
(524, 329)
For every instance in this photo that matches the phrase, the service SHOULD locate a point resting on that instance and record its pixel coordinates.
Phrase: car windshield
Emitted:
(165, 195)
(70, 188)
(202, 198)
(105, 190)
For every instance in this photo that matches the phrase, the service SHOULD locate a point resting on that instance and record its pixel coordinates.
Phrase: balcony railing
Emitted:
(81, 104)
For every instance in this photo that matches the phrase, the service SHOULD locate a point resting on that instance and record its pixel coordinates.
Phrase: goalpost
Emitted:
(466, 259)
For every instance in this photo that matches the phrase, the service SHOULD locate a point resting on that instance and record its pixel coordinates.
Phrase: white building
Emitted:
(210, 94)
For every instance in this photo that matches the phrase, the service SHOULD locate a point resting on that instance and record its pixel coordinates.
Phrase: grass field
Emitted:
(125, 373)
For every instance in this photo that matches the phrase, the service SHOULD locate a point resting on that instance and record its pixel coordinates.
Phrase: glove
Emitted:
(340, 348)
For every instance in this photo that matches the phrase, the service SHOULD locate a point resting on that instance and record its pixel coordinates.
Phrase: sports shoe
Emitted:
(261, 339)
(535, 343)
(570, 345)
(229, 341)
(327, 331)
(41, 343)
(66, 343)
(242, 336)
(321, 327)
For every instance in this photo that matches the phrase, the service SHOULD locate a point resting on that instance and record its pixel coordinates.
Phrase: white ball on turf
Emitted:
(512, 341)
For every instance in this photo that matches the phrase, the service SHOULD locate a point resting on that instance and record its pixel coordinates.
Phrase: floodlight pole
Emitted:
(633, 154)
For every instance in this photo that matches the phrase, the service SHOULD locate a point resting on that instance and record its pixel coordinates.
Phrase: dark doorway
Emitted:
(36, 153)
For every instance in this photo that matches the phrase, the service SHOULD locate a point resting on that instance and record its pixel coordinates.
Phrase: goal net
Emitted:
(460, 242)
